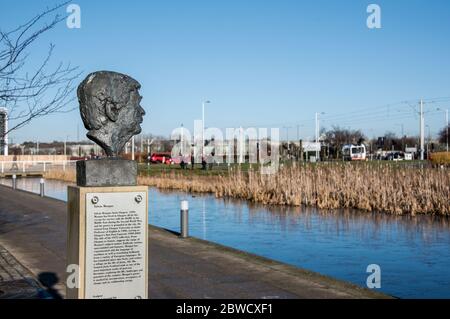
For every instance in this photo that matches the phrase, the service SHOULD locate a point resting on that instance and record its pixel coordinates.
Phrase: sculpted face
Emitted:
(110, 109)
(135, 111)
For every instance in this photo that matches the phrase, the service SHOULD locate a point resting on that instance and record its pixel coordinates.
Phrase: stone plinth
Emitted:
(106, 172)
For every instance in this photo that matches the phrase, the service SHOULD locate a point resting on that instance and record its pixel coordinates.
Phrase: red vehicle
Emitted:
(79, 158)
(178, 159)
(164, 158)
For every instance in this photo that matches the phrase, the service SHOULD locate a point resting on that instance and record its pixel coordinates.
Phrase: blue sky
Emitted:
(261, 63)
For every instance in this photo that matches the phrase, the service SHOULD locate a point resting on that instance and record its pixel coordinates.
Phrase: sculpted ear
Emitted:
(111, 111)
(109, 107)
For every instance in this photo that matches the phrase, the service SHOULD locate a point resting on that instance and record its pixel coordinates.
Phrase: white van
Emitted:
(352, 152)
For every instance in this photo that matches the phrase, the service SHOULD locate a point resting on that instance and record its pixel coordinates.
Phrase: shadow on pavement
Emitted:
(49, 280)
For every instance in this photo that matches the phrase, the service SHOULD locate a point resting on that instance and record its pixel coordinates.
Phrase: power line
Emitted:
(392, 111)
(375, 118)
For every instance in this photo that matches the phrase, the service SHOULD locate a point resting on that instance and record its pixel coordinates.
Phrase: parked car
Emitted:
(409, 156)
(395, 156)
(164, 158)
(79, 158)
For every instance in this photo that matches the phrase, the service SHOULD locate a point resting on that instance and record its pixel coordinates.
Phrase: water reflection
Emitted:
(413, 252)
(54, 189)
(370, 225)
(204, 218)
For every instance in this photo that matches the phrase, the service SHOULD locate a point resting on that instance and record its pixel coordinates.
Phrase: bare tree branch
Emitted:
(30, 94)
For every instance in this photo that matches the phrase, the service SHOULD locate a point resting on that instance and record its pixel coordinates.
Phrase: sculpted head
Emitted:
(110, 109)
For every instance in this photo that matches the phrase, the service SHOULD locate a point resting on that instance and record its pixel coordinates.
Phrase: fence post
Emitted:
(184, 216)
(14, 185)
(41, 187)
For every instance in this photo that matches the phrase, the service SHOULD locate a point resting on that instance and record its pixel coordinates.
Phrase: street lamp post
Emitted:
(298, 131)
(182, 142)
(203, 127)
(317, 133)
(429, 141)
(287, 135)
(446, 127)
(402, 132)
(422, 137)
(402, 128)
(132, 148)
(65, 145)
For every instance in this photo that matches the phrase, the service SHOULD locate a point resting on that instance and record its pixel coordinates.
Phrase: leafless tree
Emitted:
(29, 93)
(443, 135)
(337, 137)
(389, 141)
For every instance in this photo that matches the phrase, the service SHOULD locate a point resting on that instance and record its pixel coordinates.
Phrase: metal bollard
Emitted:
(184, 216)
(42, 187)
(14, 185)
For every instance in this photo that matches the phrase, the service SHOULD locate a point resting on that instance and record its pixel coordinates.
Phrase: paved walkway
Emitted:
(33, 229)
(16, 282)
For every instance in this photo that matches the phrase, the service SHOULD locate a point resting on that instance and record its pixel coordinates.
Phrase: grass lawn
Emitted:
(215, 170)
(224, 169)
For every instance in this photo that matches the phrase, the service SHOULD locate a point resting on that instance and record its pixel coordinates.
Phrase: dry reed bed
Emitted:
(384, 188)
(381, 188)
(367, 187)
(69, 175)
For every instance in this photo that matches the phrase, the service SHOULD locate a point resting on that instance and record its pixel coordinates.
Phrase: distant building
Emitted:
(83, 149)
(3, 131)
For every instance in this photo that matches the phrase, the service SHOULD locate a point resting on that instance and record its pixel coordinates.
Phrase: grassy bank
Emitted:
(69, 175)
(396, 189)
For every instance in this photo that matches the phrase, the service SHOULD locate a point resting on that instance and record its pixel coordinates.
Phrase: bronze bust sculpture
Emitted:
(111, 112)
(110, 109)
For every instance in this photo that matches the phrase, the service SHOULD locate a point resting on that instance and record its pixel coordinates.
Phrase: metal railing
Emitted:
(7, 167)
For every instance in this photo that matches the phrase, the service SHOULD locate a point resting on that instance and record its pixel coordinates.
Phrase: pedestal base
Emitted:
(106, 172)
(107, 242)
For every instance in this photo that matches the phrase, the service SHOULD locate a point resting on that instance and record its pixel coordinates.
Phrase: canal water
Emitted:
(413, 252)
